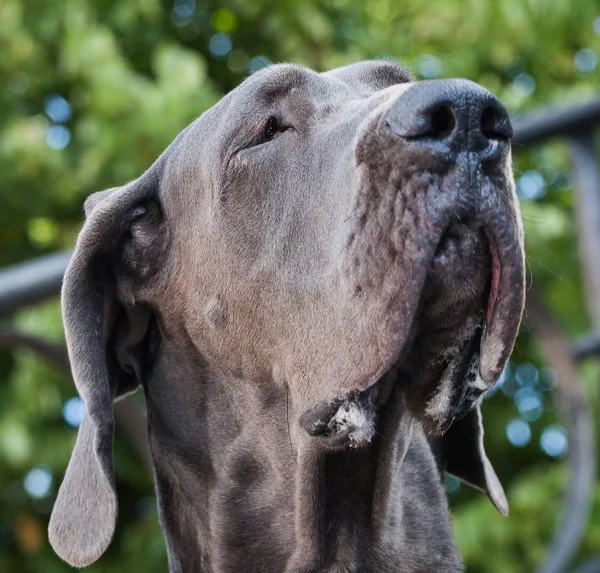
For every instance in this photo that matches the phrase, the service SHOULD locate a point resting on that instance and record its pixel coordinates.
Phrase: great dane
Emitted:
(314, 284)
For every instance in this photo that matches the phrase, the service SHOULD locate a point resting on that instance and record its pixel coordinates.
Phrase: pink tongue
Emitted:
(495, 282)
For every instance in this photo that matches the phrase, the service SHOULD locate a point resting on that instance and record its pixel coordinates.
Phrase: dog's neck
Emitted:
(242, 487)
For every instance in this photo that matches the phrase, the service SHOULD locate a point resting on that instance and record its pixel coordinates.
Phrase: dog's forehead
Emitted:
(360, 79)
(374, 75)
(243, 110)
(278, 80)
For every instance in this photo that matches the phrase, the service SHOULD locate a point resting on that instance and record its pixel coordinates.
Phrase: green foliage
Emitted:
(519, 543)
(134, 74)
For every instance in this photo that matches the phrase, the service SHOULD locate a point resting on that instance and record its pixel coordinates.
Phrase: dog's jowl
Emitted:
(315, 285)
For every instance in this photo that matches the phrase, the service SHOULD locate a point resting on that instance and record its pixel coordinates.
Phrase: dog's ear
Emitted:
(119, 246)
(463, 455)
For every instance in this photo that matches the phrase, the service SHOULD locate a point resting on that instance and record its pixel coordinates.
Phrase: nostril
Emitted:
(495, 124)
(442, 123)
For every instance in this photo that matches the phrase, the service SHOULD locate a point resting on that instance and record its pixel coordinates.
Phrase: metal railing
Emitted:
(34, 281)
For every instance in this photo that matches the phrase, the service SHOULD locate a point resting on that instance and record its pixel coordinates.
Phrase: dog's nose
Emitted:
(455, 114)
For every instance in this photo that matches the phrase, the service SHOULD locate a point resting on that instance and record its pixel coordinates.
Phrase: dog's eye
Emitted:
(138, 213)
(273, 128)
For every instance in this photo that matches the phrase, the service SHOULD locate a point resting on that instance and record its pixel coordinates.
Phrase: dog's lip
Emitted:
(505, 299)
(507, 296)
(496, 272)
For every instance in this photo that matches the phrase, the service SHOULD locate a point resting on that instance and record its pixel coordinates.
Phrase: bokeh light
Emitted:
(42, 231)
(531, 185)
(73, 411)
(585, 61)
(58, 137)
(220, 45)
(529, 403)
(509, 384)
(553, 441)
(183, 12)
(37, 482)
(518, 433)
(57, 108)
(527, 374)
(224, 20)
(524, 85)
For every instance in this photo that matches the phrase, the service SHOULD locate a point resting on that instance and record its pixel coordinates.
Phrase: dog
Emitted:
(315, 284)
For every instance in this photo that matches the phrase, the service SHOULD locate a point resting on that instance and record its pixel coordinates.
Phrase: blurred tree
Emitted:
(93, 90)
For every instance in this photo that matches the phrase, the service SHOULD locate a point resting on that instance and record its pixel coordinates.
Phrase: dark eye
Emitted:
(138, 213)
(273, 128)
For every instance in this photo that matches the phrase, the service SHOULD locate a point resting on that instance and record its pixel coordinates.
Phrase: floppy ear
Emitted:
(463, 455)
(105, 331)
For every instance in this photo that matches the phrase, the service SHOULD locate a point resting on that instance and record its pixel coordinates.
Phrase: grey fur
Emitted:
(291, 307)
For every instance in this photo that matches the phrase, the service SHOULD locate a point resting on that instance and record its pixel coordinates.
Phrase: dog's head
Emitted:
(318, 231)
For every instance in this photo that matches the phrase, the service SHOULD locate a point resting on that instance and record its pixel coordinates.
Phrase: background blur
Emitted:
(91, 91)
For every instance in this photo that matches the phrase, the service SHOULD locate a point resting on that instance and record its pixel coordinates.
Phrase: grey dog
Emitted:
(314, 284)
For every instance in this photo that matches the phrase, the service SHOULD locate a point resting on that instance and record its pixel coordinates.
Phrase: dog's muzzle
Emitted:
(457, 134)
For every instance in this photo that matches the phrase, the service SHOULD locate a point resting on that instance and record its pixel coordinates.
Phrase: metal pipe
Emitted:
(586, 347)
(32, 281)
(591, 566)
(538, 127)
(587, 194)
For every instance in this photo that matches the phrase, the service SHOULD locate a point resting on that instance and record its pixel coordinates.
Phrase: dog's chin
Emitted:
(453, 394)
(439, 365)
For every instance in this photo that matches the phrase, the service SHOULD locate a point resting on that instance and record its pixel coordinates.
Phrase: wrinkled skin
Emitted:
(301, 301)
